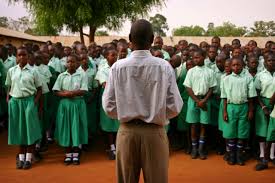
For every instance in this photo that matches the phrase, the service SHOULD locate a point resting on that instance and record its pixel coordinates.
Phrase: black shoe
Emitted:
(112, 155)
(240, 158)
(202, 151)
(36, 157)
(231, 158)
(19, 164)
(76, 161)
(273, 161)
(194, 153)
(50, 140)
(27, 165)
(261, 166)
(67, 160)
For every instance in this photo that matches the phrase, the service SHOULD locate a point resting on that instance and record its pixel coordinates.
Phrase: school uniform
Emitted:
(220, 118)
(64, 62)
(237, 89)
(107, 124)
(271, 127)
(261, 66)
(71, 120)
(24, 127)
(208, 63)
(265, 83)
(91, 106)
(181, 123)
(200, 79)
(56, 64)
(166, 55)
(10, 62)
(45, 76)
(215, 98)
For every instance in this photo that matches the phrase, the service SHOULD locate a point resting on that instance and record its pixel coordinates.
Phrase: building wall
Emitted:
(68, 40)
(16, 41)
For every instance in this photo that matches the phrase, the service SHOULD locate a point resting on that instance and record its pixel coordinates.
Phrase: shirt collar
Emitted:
(26, 67)
(76, 73)
(140, 53)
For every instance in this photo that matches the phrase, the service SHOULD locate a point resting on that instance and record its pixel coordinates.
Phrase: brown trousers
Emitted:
(142, 146)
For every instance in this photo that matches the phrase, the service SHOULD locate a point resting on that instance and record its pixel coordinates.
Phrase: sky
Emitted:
(187, 12)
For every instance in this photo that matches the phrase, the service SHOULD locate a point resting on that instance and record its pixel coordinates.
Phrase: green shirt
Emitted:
(208, 63)
(166, 55)
(45, 75)
(200, 79)
(10, 62)
(218, 75)
(102, 74)
(238, 88)
(92, 83)
(57, 65)
(23, 82)
(68, 82)
(265, 82)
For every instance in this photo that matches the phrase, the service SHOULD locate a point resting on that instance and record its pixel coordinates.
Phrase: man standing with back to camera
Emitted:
(142, 94)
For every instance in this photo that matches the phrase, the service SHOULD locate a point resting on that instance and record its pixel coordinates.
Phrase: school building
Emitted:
(17, 38)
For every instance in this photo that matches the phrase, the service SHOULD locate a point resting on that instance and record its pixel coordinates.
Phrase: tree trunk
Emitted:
(92, 34)
(81, 35)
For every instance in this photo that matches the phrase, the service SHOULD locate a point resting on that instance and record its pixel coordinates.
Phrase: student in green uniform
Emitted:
(252, 64)
(182, 125)
(199, 83)
(215, 101)
(265, 85)
(158, 43)
(210, 60)
(71, 121)
(237, 91)
(108, 125)
(227, 70)
(90, 95)
(24, 87)
(11, 60)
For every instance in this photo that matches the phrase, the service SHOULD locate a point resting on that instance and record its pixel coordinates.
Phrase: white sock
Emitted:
(75, 156)
(262, 147)
(29, 157)
(37, 146)
(68, 155)
(22, 157)
(272, 149)
(80, 146)
(113, 147)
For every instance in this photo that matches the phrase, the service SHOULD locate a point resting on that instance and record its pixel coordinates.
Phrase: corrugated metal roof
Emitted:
(19, 35)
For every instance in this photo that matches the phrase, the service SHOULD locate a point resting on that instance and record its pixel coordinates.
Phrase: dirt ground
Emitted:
(96, 168)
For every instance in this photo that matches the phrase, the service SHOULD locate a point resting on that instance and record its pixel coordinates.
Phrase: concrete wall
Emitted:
(17, 42)
(68, 40)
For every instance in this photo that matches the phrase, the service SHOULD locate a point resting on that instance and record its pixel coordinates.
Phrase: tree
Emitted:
(262, 28)
(189, 31)
(4, 22)
(93, 13)
(159, 23)
(101, 33)
(227, 29)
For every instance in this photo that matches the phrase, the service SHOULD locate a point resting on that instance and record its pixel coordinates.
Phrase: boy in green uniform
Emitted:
(71, 121)
(210, 60)
(24, 87)
(107, 124)
(265, 85)
(237, 91)
(199, 83)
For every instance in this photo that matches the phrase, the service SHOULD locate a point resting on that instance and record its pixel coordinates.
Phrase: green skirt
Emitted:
(91, 112)
(181, 122)
(71, 123)
(271, 130)
(24, 124)
(221, 121)
(261, 121)
(107, 124)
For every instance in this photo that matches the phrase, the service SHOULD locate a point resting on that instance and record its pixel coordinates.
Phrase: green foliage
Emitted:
(189, 31)
(227, 29)
(4, 22)
(262, 28)
(159, 23)
(101, 33)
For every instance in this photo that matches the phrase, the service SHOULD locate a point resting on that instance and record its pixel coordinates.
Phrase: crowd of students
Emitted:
(53, 92)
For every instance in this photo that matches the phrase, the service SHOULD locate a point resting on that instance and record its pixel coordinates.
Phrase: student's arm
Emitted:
(192, 95)
(77, 93)
(38, 95)
(264, 108)
(272, 99)
(250, 109)
(225, 115)
(8, 94)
